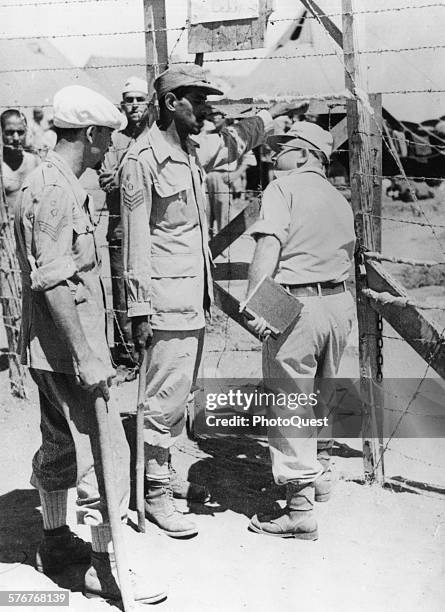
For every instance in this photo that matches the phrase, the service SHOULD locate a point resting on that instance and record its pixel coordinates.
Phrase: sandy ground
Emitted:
(379, 549)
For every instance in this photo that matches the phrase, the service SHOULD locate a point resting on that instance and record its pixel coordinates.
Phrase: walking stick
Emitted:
(113, 504)
(140, 459)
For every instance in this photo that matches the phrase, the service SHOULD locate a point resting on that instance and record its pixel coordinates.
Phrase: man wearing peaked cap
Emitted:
(64, 344)
(305, 240)
(134, 107)
(167, 266)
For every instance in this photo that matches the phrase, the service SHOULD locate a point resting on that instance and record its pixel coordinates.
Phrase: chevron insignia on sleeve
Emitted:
(132, 197)
(53, 231)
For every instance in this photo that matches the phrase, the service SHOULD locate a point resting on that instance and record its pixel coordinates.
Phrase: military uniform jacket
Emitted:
(165, 240)
(55, 244)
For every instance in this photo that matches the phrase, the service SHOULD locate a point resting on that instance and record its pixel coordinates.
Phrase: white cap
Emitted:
(304, 135)
(134, 83)
(76, 107)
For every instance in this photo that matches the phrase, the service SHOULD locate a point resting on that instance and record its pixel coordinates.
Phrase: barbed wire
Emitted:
(407, 221)
(216, 60)
(402, 260)
(54, 3)
(416, 459)
(78, 35)
(366, 12)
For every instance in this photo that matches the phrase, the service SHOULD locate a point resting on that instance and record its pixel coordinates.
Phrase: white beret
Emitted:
(76, 107)
(134, 83)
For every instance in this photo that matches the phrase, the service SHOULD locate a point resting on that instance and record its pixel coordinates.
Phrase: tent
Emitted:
(117, 70)
(27, 78)
(315, 64)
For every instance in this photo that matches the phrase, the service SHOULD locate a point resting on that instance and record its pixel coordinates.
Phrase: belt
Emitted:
(316, 289)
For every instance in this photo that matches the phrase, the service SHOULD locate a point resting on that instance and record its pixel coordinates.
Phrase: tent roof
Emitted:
(36, 87)
(112, 78)
(315, 64)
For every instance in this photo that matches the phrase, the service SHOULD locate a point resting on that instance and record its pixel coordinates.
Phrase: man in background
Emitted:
(17, 163)
(37, 130)
(134, 107)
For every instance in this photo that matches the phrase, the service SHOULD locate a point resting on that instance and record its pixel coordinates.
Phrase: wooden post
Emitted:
(156, 48)
(365, 163)
(199, 59)
(10, 291)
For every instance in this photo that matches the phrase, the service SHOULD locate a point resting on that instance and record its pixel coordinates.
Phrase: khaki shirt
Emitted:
(120, 143)
(55, 244)
(165, 243)
(314, 224)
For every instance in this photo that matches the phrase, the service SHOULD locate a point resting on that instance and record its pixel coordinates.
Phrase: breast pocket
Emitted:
(173, 201)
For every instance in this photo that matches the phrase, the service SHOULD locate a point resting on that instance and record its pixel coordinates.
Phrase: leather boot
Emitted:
(184, 489)
(60, 549)
(101, 581)
(324, 483)
(296, 520)
(160, 508)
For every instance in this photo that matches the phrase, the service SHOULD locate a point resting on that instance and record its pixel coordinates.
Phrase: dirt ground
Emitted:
(379, 548)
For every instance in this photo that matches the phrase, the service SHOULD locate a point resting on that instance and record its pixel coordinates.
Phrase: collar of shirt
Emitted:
(80, 194)
(310, 168)
(166, 144)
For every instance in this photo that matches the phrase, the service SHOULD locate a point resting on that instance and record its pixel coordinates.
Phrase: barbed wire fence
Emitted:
(9, 275)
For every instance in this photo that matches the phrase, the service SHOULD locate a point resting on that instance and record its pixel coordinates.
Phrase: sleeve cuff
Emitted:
(267, 229)
(139, 309)
(267, 120)
(51, 274)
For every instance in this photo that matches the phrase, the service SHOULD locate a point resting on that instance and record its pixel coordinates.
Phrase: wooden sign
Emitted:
(206, 11)
(227, 25)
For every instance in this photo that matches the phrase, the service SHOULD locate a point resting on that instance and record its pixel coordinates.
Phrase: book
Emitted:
(272, 302)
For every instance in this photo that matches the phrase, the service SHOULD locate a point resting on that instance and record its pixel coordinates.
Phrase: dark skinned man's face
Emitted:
(14, 133)
(190, 110)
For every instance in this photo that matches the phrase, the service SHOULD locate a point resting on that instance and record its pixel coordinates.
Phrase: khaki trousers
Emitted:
(311, 349)
(172, 368)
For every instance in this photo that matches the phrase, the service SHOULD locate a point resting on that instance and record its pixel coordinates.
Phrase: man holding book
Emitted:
(305, 240)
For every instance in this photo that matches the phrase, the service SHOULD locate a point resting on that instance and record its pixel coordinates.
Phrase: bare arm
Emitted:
(264, 263)
(265, 260)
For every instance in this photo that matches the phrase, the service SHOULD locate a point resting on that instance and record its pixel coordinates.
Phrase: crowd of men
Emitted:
(154, 180)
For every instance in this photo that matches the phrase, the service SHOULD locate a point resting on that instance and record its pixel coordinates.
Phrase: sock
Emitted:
(53, 508)
(101, 538)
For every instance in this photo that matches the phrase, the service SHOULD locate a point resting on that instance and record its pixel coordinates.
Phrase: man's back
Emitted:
(315, 226)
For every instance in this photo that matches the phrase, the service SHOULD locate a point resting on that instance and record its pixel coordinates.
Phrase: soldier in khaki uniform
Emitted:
(64, 344)
(134, 106)
(166, 262)
(305, 239)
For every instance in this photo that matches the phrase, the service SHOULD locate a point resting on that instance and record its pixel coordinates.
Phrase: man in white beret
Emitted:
(134, 106)
(305, 240)
(64, 344)
(167, 266)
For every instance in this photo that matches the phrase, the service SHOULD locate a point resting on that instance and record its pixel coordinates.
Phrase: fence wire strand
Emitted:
(10, 321)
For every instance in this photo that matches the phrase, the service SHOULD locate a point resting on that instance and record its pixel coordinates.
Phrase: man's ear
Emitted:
(90, 133)
(304, 157)
(170, 101)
